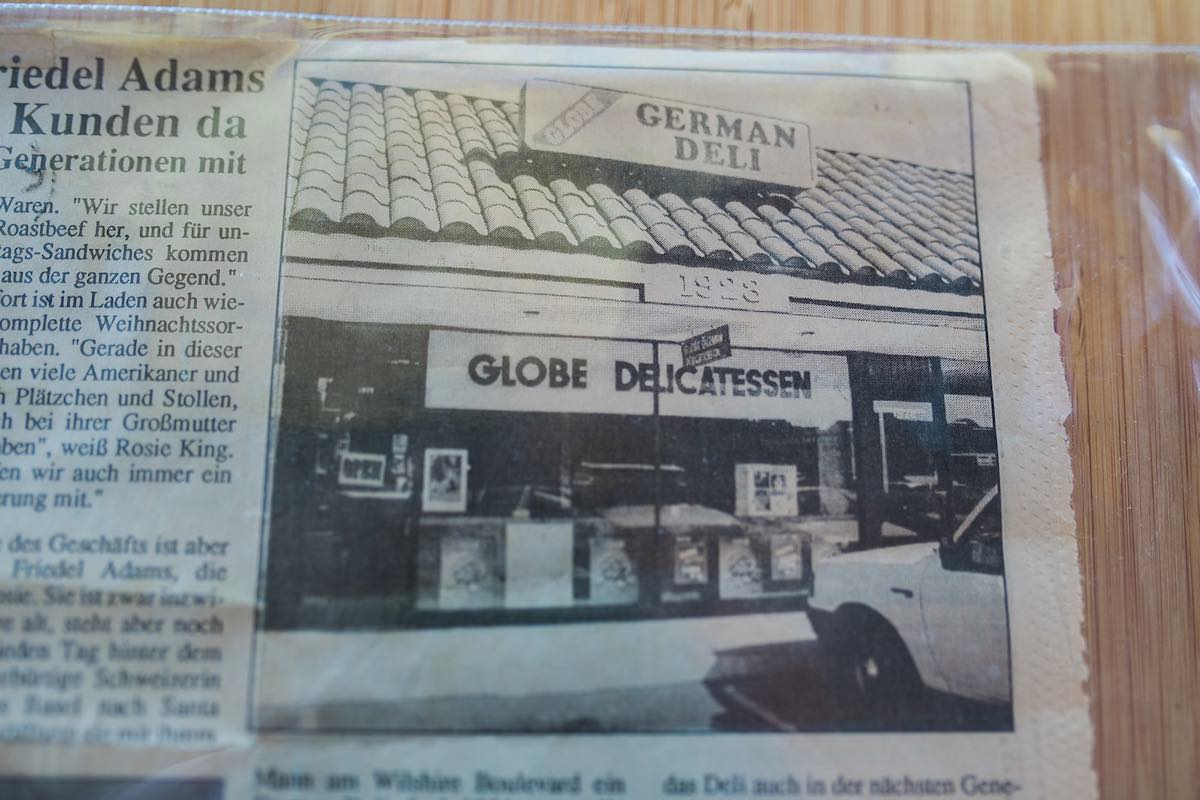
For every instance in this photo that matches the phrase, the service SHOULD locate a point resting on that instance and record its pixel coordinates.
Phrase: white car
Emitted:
(898, 619)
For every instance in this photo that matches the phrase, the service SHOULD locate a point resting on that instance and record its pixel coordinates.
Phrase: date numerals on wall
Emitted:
(697, 285)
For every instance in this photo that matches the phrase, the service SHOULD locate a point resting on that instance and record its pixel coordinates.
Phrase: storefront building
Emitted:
(485, 415)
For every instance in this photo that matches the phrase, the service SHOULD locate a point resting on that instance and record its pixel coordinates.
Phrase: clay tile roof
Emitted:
(411, 162)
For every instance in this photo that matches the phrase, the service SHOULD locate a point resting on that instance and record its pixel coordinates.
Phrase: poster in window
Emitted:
(469, 574)
(401, 465)
(740, 572)
(787, 557)
(539, 564)
(445, 480)
(613, 579)
(766, 490)
(691, 561)
(364, 470)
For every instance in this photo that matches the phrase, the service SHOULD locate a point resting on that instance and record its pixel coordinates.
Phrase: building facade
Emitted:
(485, 415)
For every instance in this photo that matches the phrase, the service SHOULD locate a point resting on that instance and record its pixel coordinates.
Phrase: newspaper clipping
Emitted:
(428, 419)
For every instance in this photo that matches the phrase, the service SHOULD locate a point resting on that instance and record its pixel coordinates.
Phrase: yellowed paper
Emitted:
(434, 419)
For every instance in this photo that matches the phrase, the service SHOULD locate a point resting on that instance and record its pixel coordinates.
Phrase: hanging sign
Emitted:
(707, 347)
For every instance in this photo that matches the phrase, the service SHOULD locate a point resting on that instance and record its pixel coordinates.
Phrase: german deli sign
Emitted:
(623, 126)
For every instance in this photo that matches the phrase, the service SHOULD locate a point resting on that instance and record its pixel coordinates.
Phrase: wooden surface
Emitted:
(1055, 21)
(1125, 225)
(1120, 149)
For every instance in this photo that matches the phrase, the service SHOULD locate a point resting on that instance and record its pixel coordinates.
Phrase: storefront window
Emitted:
(924, 450)
(913, 491)
(442, 485)
(550, 519)
(762, 489)
(974, 464)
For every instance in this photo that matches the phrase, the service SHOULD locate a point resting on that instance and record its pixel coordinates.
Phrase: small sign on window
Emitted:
(362, 469)
(707, 347)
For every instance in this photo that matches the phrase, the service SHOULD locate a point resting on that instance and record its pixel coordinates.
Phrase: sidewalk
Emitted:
(638, 675)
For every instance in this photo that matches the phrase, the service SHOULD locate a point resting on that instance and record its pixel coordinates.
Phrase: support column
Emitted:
(868, 451)
(941, 443)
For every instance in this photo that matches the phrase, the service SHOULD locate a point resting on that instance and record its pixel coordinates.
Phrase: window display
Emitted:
(651, 492)
(469, 576)
(766, 490)
(445, 480)
(361, 469)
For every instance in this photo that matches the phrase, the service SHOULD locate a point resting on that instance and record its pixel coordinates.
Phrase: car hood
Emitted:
(901, 554)
(672, 516)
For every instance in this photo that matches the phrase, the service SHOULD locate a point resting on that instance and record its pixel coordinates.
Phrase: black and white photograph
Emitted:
(631, 400)
(445, 480)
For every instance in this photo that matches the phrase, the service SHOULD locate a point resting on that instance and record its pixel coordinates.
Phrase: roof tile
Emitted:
(417, 162)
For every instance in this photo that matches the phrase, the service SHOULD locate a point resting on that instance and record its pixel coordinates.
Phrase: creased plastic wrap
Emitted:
(428, 410)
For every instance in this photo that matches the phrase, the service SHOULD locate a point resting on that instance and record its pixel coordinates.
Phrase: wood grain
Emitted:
(1162, 21)
(1121, 150)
